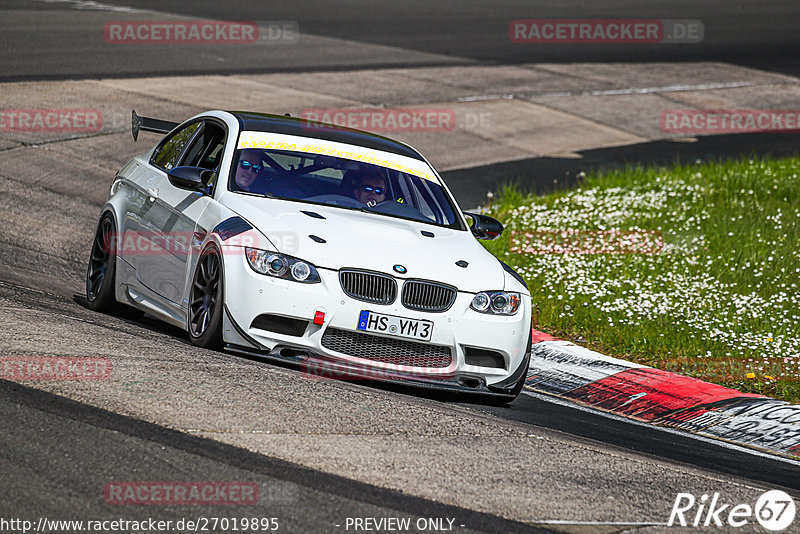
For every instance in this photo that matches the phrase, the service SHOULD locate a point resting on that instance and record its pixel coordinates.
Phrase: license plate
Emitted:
(395, 326)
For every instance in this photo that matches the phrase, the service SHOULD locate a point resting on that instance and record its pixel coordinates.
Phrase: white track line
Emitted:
(96, 6)
(595, 523)
(612, 92)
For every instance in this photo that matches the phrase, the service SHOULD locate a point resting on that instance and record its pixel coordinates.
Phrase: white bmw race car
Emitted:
(333, 249)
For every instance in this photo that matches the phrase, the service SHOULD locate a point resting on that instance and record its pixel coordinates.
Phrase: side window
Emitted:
(213, 156)
(167, 154)
(206, 148)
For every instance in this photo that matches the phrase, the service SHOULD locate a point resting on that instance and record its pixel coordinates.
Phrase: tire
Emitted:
(204, 317)
(101, 272)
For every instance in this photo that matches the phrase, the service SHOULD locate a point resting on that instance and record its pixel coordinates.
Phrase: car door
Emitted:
(168, 224)
(144, 184)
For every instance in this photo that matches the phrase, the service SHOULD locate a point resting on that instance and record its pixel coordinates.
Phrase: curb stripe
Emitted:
(764, 423)
(560, 366)
(648, 393)
(577, 374)
(538, 337)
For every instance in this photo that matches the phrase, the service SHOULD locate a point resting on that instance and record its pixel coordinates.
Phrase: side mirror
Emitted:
(484, 227)
(191, 178)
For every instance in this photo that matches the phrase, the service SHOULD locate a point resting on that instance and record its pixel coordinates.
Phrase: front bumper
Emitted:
(249, 294)
(320, 367)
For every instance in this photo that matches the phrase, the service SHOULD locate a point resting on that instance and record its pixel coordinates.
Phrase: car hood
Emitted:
(370, 241)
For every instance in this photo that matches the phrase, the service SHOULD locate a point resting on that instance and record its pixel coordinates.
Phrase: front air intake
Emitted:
(280, 325)
(484, 358)
(386, 349)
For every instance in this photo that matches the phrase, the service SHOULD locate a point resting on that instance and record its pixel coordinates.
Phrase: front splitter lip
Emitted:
(321, 367)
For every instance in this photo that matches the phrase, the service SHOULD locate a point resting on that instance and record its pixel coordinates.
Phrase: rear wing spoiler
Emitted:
(146, 124)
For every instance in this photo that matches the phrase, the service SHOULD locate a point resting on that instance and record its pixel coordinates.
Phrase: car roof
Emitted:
(264, 122)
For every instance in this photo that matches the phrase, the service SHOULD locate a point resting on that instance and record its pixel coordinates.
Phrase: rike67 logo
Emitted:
(774, 510)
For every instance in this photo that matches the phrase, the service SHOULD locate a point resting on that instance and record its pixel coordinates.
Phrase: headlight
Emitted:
(301, 271)
(276, 265)
(496, 302)
(281, 266)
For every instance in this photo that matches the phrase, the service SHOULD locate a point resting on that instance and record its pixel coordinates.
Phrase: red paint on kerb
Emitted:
(538, 337)
(648, 393)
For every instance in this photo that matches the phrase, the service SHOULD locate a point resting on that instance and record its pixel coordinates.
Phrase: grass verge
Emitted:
(693, 268)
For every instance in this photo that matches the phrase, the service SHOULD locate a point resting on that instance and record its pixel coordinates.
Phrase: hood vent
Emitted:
(312, 214)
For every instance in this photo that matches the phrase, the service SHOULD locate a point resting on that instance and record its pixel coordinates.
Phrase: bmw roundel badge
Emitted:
(400, 269)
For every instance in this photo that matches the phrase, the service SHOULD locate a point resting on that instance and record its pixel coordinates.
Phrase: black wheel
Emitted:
(205, 301)
(101, 272)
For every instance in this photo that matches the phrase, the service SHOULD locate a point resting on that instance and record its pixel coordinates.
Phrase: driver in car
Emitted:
(371, 189)
(247, 171)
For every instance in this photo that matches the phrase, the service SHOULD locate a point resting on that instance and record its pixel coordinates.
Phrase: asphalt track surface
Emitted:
(62, 451)
(331, 450)
(36, 36)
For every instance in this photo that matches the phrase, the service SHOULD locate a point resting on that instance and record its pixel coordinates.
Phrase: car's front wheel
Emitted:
(206, 300)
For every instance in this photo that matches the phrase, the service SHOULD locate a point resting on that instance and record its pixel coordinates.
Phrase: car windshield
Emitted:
(341, 182)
